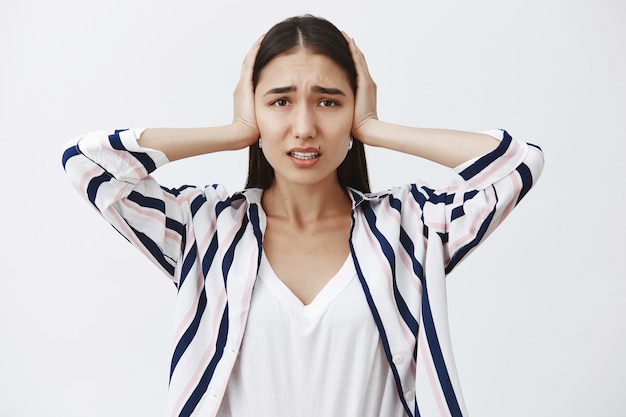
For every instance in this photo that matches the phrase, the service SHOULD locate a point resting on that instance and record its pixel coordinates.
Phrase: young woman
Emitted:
(305, 294)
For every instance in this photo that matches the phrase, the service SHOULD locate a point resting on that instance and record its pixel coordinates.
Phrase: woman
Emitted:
(305, 294)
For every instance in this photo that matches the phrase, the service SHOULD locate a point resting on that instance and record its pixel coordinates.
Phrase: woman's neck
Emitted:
(302, 204)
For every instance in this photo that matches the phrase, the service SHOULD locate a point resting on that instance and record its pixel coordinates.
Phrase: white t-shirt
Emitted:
(323, 359)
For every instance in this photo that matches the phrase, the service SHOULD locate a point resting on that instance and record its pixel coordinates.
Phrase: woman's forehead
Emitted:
(301, 68)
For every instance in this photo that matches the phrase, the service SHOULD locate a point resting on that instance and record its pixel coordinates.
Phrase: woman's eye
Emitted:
(281, 102)
(327, 103)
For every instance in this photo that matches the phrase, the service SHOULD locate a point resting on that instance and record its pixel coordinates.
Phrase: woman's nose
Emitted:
(304, 123)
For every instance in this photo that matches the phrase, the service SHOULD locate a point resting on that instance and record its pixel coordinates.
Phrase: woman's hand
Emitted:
(446, 147)
(178, 143)
(365, 114)
(243, 97)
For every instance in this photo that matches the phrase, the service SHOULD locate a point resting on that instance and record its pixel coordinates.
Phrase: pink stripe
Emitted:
(203, 244)
(244, 313)
(142, 211)
(512, 151)
(406, 260)
(234, 230)
(88, 176)
(517, 187)
(219, 308)
(156, 215)
(186, 320)
(387, 273)
(188, 317)
(122, 192)
(202, 363)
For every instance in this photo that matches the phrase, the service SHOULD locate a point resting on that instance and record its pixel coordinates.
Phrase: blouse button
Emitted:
(409, 396)
(397, 359)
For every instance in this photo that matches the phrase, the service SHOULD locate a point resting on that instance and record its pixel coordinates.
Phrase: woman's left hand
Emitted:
(365, 101)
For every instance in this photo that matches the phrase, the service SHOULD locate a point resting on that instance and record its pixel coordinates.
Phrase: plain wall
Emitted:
(537, 313)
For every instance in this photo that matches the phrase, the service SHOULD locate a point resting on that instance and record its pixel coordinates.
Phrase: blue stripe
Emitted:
(387, 250)
(94, 185)
(457, 212)
(469, 195)
(154, 250)
(357, 197)
(203, 384)
(370, 216)
(484, 161)
(431, 197)
(188, 263)
(464, 250)
(176, 191)
(116, 141)
(222, 205)
(143, 158)
(190, 332)
(229, 256)
(460, 210)
(378, 321)
(435, 198)
(253, 211)
(69, 153)
(207, 259)
(437, 355)
(176, 226)
(196, 204)
(527, 181)
(148, 202)
(419, 198)
(395, 203)
(409, 248)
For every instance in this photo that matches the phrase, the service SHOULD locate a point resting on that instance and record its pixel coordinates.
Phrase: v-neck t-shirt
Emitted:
(320, 359)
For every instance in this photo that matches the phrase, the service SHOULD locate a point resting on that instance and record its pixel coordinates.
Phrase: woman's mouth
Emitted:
(304, 155)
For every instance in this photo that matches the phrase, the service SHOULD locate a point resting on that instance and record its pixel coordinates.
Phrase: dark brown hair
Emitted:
(318, 36)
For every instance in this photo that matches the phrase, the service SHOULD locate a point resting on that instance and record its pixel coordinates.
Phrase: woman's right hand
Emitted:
(178, 143)
(243, 98)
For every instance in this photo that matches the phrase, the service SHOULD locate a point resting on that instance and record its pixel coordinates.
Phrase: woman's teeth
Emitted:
(304, 155)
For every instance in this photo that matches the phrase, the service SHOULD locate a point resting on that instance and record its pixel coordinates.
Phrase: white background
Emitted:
(537, 313)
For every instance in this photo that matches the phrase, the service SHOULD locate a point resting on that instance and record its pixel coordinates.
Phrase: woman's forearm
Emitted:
(179, 143)
(446, 147)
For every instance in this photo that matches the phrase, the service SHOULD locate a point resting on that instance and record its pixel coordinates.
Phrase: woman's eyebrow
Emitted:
(316, 89)
(329, 91)
(280, 90)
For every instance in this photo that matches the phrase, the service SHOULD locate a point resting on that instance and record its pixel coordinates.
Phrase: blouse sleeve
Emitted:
(490, 187)
(112, 171)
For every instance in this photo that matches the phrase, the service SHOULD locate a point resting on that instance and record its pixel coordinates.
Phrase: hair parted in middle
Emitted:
(318, 36)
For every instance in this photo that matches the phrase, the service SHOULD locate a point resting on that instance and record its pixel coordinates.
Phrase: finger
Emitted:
(345, 35)
(250, 58)
(359, 59)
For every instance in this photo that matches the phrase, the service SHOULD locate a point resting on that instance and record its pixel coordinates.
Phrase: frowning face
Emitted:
(304, 110)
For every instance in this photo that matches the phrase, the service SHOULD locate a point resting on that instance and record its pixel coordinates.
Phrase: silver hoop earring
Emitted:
(260, 143)
(350, 144)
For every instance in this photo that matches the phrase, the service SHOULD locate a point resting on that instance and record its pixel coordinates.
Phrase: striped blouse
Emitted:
(403, 242)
